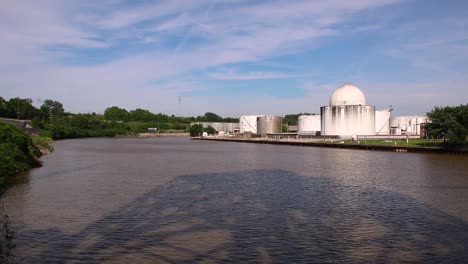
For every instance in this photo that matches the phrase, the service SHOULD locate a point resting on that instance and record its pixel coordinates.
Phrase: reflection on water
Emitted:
(176, 201)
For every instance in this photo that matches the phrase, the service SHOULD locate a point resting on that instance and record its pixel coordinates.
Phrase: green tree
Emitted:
(142, 115)
(21, 108)
(196, 130)
(115, 113)
(51, 108)
(212, 117)
(210, 130)
(449, 123)
(3, 107)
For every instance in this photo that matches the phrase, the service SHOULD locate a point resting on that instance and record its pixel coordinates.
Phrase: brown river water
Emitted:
(173, 200)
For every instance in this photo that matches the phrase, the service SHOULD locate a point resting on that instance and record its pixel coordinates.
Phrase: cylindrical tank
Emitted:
(382, 122)
(248, 124)
(308, 124)
(269, 124)
(348, 120)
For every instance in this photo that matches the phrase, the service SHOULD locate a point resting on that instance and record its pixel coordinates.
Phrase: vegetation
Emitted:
(56, 123)
(449, 123)
(197, 130)
(412, 142)
(17, 152)
(291, 119)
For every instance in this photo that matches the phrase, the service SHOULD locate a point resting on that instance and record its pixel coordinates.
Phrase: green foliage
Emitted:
(115, 113)
(52, 119)
(196, 130)
(210, 130)
(291, 119)
(51, 109)
(3, 107)
(18, 107)
(17, 152)
(142, 115)
(450, 122)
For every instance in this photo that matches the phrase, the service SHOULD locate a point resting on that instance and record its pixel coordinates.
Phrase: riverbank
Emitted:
(341, 144)
(153, 135)
(19, 151)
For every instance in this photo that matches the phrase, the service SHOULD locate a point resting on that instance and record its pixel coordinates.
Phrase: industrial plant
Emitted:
(347, 115)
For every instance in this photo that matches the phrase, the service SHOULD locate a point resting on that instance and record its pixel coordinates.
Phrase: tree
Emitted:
(142, 115)
(115, 113)
(196, 130)
(21, 108)
(3, 107)
(210, 130)
(51, 108)
(212, 117)
(449, 123)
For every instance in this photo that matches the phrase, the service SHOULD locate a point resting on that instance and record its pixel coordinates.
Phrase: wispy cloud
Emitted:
(133, 53)
(232, 75)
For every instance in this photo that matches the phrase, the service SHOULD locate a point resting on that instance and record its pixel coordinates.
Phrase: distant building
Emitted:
(408, 125)
(25, 125)
(219, 126)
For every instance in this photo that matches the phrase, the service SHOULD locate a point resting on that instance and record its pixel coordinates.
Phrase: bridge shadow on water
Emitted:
(262, 216)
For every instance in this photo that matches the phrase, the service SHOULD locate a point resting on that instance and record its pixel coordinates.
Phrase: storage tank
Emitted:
(347, 114)
(248, 124)
(308, 124)
(269, 124)
(382, 122)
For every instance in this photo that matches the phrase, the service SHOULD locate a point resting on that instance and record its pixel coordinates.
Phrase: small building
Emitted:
(220, 126)
(408, 125)
(25, 125)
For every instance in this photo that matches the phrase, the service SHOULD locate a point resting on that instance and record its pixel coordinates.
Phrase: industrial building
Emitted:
(347, 114)
(408, 125)
(219, 126)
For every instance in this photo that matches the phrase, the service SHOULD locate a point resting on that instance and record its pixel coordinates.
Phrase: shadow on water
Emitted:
(259, 216)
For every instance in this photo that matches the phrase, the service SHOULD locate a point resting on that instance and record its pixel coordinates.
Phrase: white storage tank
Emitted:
(308, 124)
(248, 124)
(382, 122)
(269, 124)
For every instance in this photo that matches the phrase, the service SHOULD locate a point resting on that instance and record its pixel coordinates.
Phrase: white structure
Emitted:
(382, 122)
(347, 114)
(220, 126)
(308, 124)
(407, 125)
(248, 123)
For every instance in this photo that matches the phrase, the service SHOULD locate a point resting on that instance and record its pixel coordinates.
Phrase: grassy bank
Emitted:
(18, 153)
(415, 142)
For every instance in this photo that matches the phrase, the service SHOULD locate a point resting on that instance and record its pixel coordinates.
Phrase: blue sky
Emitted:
(234, 57)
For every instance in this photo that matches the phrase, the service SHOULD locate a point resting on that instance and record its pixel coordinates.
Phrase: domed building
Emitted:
(347, 114)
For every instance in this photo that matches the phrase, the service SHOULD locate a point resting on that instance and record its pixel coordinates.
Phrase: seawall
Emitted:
(321, 144)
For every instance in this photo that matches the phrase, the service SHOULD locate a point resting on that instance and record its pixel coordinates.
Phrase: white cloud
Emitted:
(224, 33)
(232, 75)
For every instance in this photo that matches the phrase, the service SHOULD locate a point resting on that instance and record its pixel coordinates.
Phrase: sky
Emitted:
(234, 57)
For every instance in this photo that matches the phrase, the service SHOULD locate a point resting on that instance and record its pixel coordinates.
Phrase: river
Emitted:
(173, 200)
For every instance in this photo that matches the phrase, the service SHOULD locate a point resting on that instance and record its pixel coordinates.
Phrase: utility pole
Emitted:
(17, 108)
(180, 105)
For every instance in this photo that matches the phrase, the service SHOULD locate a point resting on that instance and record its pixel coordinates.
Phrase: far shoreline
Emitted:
(399, 149)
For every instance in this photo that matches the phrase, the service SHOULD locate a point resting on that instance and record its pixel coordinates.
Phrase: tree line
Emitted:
(56, 122)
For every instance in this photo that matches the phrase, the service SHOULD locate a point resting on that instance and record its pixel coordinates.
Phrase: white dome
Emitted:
(347, 94)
